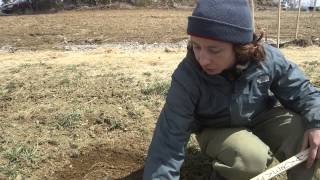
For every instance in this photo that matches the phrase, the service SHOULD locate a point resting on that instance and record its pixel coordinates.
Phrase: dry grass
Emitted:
(56, 100)
(144, 26)
(61, 109)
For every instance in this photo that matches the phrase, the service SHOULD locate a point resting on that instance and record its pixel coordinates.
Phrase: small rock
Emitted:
(91, 134)
(168, 50)
(67, 48)
(53, 142)
(99, 121)
(9, 49)
(2, 140)
(41, 142)
(82, 153)
(91, 128)
(76, 135)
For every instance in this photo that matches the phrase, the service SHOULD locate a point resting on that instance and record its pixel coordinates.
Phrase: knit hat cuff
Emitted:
(213, 29)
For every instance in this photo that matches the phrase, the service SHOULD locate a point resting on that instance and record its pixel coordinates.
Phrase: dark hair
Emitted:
(246, 52)
(250, 51)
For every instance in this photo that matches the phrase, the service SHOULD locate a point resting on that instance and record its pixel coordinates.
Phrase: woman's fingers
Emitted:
(305, 141)
(312, 156)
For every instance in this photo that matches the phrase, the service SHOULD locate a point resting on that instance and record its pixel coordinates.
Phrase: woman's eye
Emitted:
(214, 51)
(196, 47)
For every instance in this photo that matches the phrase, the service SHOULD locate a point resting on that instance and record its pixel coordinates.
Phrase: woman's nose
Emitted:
(203, 59)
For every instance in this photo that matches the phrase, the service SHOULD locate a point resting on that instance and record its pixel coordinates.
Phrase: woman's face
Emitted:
(213, 56)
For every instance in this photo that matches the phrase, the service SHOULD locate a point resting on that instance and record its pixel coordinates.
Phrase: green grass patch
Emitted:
(156, 88)
(19, 156)
(10, 170)
(148, 74)
(312, 71)
(72, 68)
(10, 87)
(21, 153)
(69, 120)
(64, 82)
(112, 122)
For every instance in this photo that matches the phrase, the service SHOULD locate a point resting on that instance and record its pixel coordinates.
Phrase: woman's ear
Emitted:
(189, 45)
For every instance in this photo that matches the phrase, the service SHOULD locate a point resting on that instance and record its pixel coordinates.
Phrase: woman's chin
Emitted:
(212, 72)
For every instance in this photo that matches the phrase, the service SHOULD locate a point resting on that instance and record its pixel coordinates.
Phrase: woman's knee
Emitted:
(252, 161)
(239, 152)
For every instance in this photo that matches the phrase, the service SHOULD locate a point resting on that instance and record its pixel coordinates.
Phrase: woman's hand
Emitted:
(311, 140)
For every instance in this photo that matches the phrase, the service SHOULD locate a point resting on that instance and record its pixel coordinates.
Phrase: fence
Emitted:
(288, 24)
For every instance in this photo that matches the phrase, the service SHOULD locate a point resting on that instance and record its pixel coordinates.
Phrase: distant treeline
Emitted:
(70, 4)
(132, 2)
(152, 2)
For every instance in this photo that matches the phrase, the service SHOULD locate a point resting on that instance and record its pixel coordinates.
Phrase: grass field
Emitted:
(54, 31)
(88, 112)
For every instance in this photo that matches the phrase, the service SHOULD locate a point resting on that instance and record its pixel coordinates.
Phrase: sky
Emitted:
(309, 3)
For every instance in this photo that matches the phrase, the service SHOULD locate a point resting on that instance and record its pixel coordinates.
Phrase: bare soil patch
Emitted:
(54, 31)
(90, 114)
(75, 106)
(102, 163)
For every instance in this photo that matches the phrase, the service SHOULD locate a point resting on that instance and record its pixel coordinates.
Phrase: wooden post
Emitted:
(279, 14)
(266, 34)
(298, 20)
(252, 13)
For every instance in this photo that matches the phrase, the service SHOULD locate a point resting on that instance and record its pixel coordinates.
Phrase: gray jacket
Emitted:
(197, 100)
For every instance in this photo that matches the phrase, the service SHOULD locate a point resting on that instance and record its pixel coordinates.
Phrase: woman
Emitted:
(242, 98)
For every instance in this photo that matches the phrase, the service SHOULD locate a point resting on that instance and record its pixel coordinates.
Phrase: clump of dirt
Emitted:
(101, 162)
(305, 42)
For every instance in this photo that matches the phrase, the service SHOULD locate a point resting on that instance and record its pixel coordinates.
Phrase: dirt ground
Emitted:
(79, 97)
(55, 31)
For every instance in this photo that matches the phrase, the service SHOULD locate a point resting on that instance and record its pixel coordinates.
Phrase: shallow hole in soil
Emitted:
(103, 163)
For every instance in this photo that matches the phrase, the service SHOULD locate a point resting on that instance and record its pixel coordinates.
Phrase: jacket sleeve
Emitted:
(295, 92)
(172, 132)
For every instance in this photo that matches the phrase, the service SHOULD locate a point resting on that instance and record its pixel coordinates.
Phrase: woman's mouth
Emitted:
(210, 71)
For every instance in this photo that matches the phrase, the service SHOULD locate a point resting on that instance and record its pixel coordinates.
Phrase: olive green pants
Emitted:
(242, 153)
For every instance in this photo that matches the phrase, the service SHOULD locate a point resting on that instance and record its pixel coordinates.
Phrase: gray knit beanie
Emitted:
(226, 20)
